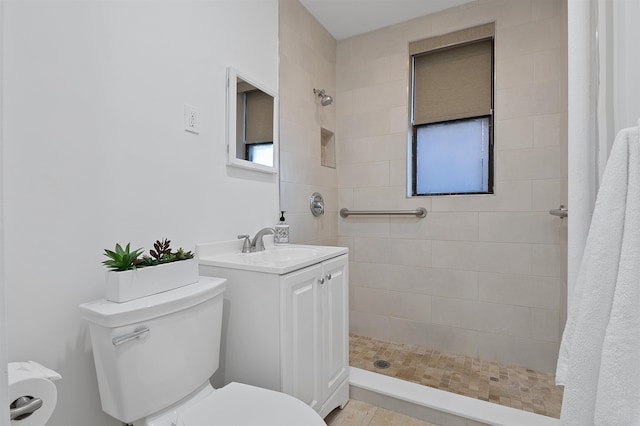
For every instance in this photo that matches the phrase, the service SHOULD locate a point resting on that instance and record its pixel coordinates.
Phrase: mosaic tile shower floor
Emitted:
(516, 387)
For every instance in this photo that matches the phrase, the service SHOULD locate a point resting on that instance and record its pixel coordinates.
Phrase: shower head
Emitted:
(324, 98)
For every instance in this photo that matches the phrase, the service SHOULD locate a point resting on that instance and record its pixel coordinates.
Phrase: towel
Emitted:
(599, 361)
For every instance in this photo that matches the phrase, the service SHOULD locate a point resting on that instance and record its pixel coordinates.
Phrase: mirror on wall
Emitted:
(252, 124)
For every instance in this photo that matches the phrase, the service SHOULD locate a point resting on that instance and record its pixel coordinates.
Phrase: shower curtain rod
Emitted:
(419, 212)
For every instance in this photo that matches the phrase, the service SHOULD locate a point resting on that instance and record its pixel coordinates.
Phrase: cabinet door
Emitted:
(335, 324)
(301, 335)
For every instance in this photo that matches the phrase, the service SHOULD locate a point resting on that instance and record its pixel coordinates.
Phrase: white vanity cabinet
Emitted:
(288, 332)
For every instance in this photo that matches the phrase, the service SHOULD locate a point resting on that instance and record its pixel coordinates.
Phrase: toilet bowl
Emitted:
(238, 404)
(154, 357)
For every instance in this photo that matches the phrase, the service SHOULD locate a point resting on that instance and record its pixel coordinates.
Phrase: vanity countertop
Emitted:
(279, 259)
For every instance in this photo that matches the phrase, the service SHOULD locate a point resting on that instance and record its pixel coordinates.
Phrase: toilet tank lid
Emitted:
(111, 314)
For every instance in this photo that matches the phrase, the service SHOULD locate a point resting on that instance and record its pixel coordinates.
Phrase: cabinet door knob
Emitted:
(321, 280)
(329, 276)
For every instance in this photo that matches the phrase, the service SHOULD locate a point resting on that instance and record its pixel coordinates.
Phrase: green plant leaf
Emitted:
(122, 259)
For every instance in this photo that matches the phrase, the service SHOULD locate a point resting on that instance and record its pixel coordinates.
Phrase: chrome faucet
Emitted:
(257, 244)
(246, 247)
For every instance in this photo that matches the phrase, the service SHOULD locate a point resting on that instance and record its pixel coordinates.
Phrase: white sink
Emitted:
(280, 254)
(280, 259)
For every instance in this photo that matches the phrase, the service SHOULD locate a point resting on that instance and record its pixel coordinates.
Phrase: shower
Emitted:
(324, 98)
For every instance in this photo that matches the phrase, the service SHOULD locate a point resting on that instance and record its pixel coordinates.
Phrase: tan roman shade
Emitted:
(259, 116)
(453, 75)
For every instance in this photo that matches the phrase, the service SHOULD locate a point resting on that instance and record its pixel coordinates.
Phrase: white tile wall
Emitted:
(548, 192)
(410, 306)
(373, 148)
(398, 172)
(366, 324)
(533, 353)
(444, 338)
(482, 256)
(449, 283)
(480, 275)
(510, 196)
(514, 133)
(521, 290)
(547, 130)
(394, 251)
(307, 61)
(515, 71)
(529, 164)
(452, 226)
(363, 174)
(380, 198)
(519, 227)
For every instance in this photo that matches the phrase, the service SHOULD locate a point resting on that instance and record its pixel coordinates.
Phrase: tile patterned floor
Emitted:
(358, 413)
(516, 387)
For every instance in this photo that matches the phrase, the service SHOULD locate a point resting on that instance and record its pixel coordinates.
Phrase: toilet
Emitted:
(154, 357)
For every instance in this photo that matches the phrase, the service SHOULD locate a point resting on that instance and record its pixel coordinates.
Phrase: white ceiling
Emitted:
(346, 18)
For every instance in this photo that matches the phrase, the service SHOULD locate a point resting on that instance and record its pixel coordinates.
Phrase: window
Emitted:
(260, 153)
(452, 113)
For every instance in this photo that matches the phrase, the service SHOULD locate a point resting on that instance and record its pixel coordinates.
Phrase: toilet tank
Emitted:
(138, 376)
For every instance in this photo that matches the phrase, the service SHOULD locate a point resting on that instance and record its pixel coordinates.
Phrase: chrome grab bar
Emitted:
(561, 212)
(419, 212)
(139, 332)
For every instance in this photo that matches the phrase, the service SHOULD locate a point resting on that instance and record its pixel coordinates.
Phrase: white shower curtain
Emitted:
(599, 364)
(617, 67)
(604, 97)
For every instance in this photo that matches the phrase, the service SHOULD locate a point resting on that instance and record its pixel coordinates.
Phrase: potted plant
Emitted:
(132, 275)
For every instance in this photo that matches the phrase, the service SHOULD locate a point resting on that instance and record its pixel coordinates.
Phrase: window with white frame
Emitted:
(452, 113)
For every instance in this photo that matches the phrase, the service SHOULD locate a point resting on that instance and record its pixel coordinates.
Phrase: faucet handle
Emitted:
(246, 247)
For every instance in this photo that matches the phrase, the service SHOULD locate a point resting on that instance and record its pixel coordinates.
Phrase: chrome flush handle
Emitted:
(139, 332)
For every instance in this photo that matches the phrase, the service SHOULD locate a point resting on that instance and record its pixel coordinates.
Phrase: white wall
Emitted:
(95, 153)
(4, 408)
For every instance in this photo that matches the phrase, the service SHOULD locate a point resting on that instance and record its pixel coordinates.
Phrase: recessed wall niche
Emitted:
(327, 148)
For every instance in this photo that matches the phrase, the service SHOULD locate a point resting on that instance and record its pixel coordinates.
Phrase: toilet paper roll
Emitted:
(33, 380)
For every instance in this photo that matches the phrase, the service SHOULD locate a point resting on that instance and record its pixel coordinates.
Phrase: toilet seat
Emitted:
(238, 404)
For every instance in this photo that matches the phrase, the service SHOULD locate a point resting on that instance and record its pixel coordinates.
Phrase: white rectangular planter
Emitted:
(128, 285)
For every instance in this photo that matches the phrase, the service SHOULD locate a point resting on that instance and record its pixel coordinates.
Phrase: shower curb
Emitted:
(434, 405)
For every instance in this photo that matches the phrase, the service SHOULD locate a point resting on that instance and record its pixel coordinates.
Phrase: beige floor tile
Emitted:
(384, 417)
(358, 413)
(508, 385)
